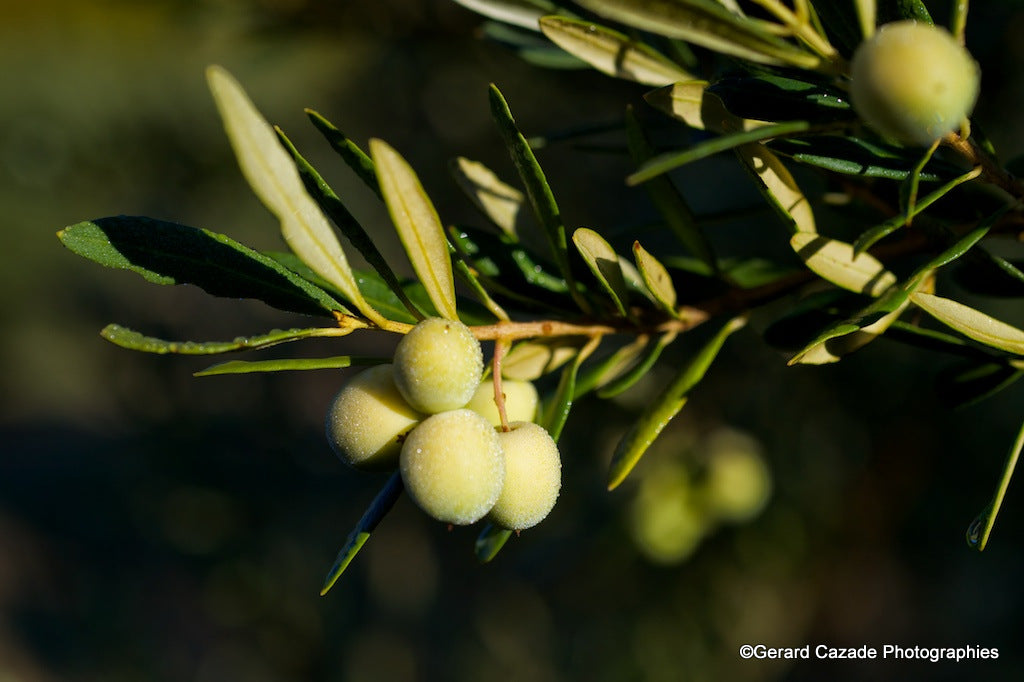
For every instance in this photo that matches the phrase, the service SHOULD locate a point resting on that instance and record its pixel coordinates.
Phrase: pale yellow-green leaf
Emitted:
(602, 260)
(531, 360)
(691, 103)
(513, 12)
(705, 24)
(418, 226)
(972, 323)
(621, 361)
(778, 186)
(656, 278)
(612, 52)
(834, 349)
(499, 201)
(273, 177)
(634, 281)
(866, 11)
(834, 261)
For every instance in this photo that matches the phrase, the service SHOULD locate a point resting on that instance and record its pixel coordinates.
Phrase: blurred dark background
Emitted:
(155, 526)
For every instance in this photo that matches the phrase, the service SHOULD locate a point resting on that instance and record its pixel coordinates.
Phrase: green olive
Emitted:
(438, 365)
(368, 419)
(520, 401)
(533, 477)
(453, 467)
(913, 82)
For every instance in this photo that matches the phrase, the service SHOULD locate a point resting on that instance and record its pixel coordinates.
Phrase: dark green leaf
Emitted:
(133, 340)
(556, 411)
(991, 275)
(358, 160)
(168, 253)
(377, 510)
(289, 364)
(896, 10)
(537, 189)
(639, 370)
(490, 541)
(771, 97)
(854, 156)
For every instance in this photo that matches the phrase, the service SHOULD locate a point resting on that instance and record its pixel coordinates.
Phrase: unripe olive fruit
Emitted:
(913, 82)
(453, 467)
(533, 477)
(438, 365)
(520, 401)
(368, 420)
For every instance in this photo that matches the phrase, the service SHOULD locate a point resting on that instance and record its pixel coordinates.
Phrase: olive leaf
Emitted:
(707, 24)
(418, 226)
(497, 200)
(980, 529)
(514, 12)
(273, 177)
(836, 262)
(288, 364)
(133, 340)
(611, 52)
(530, 360)
(777, 185)
(972, 323)
(354, 157)
(665, 406)
(602, 260)
(656, 278)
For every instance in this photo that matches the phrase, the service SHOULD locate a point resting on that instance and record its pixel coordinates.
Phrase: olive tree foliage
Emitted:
(767, 82)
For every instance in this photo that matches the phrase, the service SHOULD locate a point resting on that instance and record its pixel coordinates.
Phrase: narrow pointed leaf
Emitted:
(418, 226)
(656, 278)
(530, 360)
(133, 340)
(707, 24)
(537, 189)
(497, 200)
(777, 185)
(862, 158)
(684, 101)
(346, 222)
(288, 365)
(981, 528)
(665, 406)
(168, 253)
(668, 161)
(377, 510)
(356, 159)
(666, 198)
(639, 370)
(275, 180)
(972, 323)
(611, 367)
(490, 541)
(556, 412)
(602, 260)
(835, 261)
(611, 52)
(873, 235)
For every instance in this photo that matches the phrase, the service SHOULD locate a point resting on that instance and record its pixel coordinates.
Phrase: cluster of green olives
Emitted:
(431, 414)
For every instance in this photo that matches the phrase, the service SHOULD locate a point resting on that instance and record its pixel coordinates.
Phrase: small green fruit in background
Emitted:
(453, 466)
(438, 365)
(533, 477)
(368, 419)
(520, 401)
(913, 82)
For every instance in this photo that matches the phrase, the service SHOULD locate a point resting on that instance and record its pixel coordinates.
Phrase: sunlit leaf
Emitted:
(972, 323)
(665, 406)
(530, 360)
(515, 12)
(273, 177)
(418, 226)
(497, 200)
(167, 253)
(656, 278)
(834, 261)
(611, 52)
(707, 24)
(602, 260)
(133, 340)
(346, 222)
(377, 510)
(777, 185)
(288, 365)
(686, 102)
